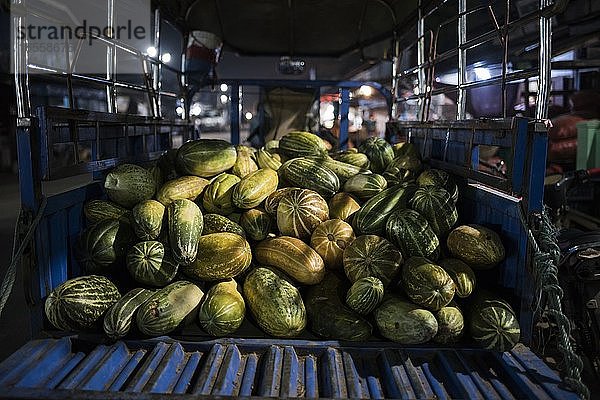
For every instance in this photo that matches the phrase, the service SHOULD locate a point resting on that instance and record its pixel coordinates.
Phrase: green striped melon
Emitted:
(100, 210)
(493, 324)
(395, 175)
(371, 255)
(343, 206)
(404, 322)
(149, 263)
(478, 246)
(257, 224)
(205, 157)
(300, 212)
(411, 232)
(329, 317)
(254, 188)
(307, 173)
(412, 164)
(147, 219)
(272, 200)
(355, 158)
(185, 187)
(103, 245)
(299, 144)
(221, 255)
(365, 295)
(223, 309)
(365, 186)
(344, 171)
(217, 198)
(275, 303)
(117, 321)
(185, 227)
(214, 223)
(266, 159)
(462, 275)
(128, 184)
(372, 216)
(81, 302)
(436, 205)
(272, 145)
(438, 177)
(379, 151)
(168, 307)
(330, 239)
(451, 324)
(427, 284)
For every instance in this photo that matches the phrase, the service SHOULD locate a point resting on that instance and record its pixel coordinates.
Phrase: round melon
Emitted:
(404, 322)
(493, 324)
(451, 324)
(128, 184)
(147, 219)
(272, 200)
(395, 175)
(365, 186)
(371, 255)
(330, 239)
(436, 205)
(438, 177)
(411, 232)
(343, 206)
(256, 223)
(462, 275)
(254, 188)
(223, 309)
(427, 284)
(149, 263)
(81, 302)
(379, 151)
(365, 295)
(103, 245)
(476, 245)
(410, 163)
(300, 212)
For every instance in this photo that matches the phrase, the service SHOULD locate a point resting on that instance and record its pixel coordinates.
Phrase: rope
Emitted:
(11, 272)
(548, 296)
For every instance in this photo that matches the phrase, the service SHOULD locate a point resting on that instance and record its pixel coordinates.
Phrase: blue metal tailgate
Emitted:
(74, 368)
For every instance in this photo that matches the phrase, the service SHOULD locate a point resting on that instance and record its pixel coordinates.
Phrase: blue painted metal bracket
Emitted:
(344, 87)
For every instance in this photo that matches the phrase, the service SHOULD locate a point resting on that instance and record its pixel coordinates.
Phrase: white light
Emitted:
(224, 87)
(248, 115)
(482, 73)
(195, 110)
(179, 110)
(151, 51)
(365, 91)
(416, 91)
(330, 109)
(224, 99)
(166, 58)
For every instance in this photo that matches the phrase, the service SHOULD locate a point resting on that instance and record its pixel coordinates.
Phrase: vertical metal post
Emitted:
(111, 61)
(545, 54)
(344, 110)
(395, 80)
(234, 111)
(421, 59)
(461, 111)
(20, 69)
(156, 68)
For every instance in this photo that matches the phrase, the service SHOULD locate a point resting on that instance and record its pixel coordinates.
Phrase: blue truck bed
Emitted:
(85, 366)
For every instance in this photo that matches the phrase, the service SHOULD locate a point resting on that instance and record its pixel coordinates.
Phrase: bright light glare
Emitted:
(248, 115)
(151, 51)
(179, 110)
(482, 73)
(330, 109)
(365, 91)
(224, 87)
(224, 99)
(195, 110)
(166, 58)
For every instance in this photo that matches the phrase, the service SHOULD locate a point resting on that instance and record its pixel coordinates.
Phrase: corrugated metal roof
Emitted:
(71, 368)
